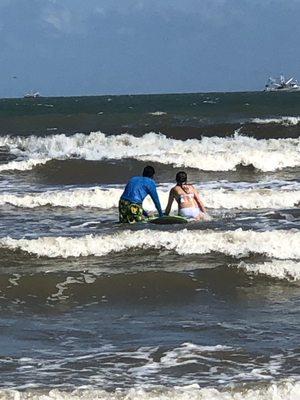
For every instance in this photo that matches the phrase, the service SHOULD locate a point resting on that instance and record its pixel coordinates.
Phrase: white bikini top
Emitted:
(183, 196)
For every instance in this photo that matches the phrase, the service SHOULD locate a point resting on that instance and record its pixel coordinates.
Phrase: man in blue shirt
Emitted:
(137, 188)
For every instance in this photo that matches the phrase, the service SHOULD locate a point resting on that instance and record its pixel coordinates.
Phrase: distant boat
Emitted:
(281, 85)
(32, 95)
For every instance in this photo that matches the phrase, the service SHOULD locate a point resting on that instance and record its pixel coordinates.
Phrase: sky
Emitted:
(90, 47)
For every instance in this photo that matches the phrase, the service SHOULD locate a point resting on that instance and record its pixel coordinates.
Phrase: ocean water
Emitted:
(91, 309)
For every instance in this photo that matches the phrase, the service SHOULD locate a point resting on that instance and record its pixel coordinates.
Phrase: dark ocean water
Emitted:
(180, 116)
(92, 309)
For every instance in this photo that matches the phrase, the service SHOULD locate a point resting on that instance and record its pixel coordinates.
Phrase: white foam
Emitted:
(251, 199)
(95, 197)
(284, 390)
(238, 243)
(24, 165)
(186, 353)
(286, 121)
(287, 269)
(106, 198)
(158, 113)
(209, 154)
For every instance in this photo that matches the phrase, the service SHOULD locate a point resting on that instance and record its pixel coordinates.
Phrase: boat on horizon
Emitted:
(32, 95)
(282, 85)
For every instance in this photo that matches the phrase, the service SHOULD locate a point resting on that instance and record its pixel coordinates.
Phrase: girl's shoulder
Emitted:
(189, 187)
(176, 191)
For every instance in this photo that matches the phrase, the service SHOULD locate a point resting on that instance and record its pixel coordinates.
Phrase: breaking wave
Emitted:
(284, 390)
(287, 269)
(285, 121)
(24, 165)
(208, 154)
(106, 198)
(238, 243)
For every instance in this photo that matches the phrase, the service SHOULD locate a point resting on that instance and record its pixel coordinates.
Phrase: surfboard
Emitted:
(168, 219)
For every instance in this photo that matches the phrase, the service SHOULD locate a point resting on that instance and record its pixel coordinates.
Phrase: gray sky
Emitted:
(78, 47)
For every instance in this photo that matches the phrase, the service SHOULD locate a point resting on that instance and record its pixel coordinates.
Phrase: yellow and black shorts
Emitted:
(130, 212)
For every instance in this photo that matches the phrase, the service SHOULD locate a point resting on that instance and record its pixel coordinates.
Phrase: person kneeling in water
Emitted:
(138, 187)
(187, 197)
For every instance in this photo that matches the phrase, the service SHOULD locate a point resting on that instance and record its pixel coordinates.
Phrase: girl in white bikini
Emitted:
(187, 197)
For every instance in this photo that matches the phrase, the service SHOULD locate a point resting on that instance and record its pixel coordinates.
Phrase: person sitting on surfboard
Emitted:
(187, 197)
(137, 188)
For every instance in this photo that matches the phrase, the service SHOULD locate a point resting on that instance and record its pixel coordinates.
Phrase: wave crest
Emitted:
(25, 165)
(207, 154)
(285, 121)
(106, 198)
(287, 269)
(238, 243)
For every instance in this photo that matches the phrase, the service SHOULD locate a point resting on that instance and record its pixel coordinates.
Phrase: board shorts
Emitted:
(130, 212)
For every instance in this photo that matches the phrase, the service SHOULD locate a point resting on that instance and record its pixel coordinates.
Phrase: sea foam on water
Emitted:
(285, 390)
(279, 244)
(207, 154)
(106, 198)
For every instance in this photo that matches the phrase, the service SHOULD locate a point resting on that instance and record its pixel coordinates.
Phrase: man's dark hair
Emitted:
(148, 171)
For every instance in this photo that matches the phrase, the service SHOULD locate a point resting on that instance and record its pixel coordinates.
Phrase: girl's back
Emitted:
(185, 196)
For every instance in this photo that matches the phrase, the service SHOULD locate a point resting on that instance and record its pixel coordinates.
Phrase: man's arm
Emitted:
(155, 199)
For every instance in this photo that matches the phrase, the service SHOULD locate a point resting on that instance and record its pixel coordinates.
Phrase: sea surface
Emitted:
(92, 309)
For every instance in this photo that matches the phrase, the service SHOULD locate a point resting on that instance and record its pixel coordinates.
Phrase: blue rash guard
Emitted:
(138, 188)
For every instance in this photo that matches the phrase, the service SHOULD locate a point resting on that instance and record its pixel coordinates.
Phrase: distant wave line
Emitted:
(284, 120)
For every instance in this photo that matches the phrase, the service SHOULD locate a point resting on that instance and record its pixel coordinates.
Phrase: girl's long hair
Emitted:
(181, 179)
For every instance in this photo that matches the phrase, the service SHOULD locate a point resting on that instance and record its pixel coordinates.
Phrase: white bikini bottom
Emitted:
(190, 212)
